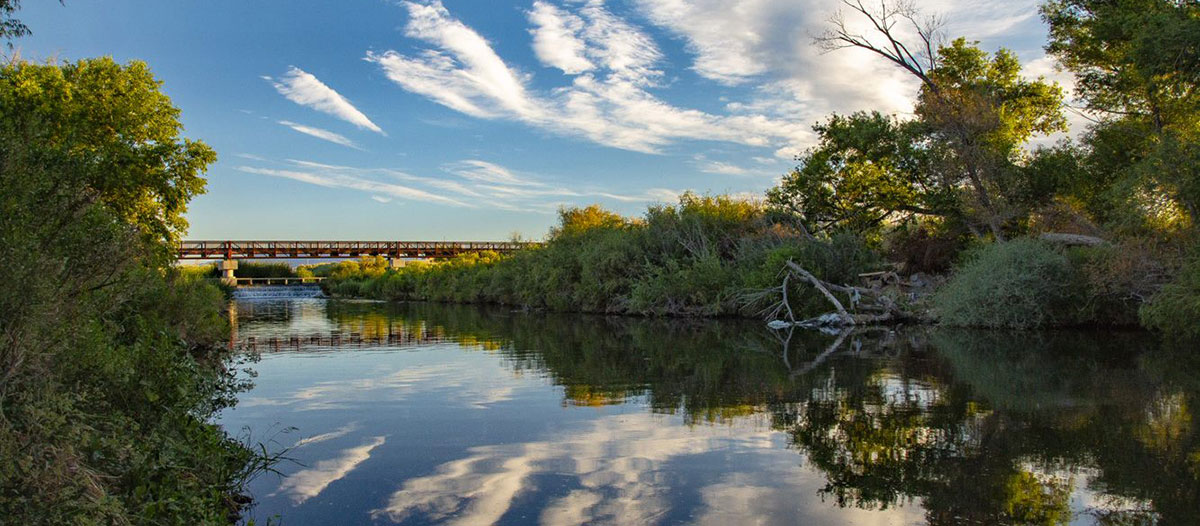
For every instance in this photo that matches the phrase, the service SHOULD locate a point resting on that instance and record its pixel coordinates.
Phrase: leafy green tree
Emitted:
(868, 169)
(111, 363)
(108, 131)
(1137, 68)
(985, 112)
(976, 110)
(10, 27)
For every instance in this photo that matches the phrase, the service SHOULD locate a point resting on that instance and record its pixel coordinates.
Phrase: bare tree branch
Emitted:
(885, 19)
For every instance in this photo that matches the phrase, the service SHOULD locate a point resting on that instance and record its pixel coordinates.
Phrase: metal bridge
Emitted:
(229, 252)
(233, 250)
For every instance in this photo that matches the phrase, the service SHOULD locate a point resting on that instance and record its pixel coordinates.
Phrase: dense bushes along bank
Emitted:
(112, 362)
(692, 259)
(706, 255)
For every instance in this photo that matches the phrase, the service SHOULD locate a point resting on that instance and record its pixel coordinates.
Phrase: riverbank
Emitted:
(720, 257)
(113, 362)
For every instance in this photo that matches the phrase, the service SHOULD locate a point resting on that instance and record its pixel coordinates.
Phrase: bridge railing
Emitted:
(211, 249)
(278, 281)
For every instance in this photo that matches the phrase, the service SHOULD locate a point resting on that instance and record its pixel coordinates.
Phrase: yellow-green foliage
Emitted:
(694, 258)
(112, 362)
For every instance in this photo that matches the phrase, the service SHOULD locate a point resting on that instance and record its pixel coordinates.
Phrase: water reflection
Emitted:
(486, 416)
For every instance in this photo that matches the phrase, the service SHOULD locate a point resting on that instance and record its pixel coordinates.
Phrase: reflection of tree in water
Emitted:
(977, 427)
(887, 432)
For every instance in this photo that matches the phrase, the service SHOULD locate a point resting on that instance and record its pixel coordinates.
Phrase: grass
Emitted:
(696, 258)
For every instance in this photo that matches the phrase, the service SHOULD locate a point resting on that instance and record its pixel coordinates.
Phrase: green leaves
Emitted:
(955, 160)
(867, 169)
(109, 131)
(1137, 67)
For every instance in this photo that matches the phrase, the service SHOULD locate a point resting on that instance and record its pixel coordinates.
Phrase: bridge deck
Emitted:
(339, 249)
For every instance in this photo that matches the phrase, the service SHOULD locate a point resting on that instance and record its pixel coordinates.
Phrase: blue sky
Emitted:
(472, 119)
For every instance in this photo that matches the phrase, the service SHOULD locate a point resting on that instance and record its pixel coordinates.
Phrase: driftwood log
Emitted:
(1072, 240)
(868, 306)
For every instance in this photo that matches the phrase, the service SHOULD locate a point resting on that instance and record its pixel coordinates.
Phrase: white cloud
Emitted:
(322, 134)
(556, 40)
(723, 168)
(336, 180)
(476, 184)
(485, 172)
(305, 89)
(727, 39)
(623, 49)
(609, 103)
(308, 483)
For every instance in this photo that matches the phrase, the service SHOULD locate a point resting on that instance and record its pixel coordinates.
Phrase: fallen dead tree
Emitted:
(1072, 240)
(868, 305)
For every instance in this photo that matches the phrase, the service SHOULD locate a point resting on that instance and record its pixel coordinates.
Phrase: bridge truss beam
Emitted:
(233, 250)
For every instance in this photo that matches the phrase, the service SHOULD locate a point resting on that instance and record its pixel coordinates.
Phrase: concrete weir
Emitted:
(275, 292)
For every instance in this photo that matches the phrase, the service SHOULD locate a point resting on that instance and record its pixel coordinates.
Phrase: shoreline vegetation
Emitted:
(113, 361)
(954, 212)
(716, 256)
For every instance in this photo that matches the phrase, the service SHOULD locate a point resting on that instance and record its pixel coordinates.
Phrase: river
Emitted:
(442, 414)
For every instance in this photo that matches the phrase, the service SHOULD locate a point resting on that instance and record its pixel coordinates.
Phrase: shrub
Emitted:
(1021, 284)
(1114, 280)
(1175, 309)
(690, 259)
(929, 248)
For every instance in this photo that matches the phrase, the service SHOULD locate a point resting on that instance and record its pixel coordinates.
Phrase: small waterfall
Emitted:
(275, 292)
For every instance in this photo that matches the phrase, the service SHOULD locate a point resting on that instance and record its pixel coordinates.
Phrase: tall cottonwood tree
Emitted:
(1137, 69)
(974, 114)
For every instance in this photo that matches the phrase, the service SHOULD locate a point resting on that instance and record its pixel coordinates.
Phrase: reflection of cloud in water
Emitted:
(617, 461)
(308, 483)
(339, 432)
(466, 383)
(776, 495)
(620, 464)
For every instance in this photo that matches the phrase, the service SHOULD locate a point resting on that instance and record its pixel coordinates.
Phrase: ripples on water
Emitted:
(434, 414)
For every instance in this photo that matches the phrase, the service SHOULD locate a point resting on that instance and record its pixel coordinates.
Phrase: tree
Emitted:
(108, 132)
(977, 106)
(111, 362)
(575, 221)
(10, 27)
(1137, 69)
(866, 170)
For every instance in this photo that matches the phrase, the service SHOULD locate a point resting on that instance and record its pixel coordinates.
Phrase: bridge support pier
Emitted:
(227, 266)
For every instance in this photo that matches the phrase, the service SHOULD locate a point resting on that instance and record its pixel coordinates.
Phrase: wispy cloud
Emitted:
(610, 69)
(308, 483)
(381, 199)
(474, 183)
(485, 172)
(723, 168)
(340, 180)
(760, 167)
(322, 134)
(305, 89)
(610, 65)
(556, 38)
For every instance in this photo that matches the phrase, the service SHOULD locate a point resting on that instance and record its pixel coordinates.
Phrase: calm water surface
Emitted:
(434, 414)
